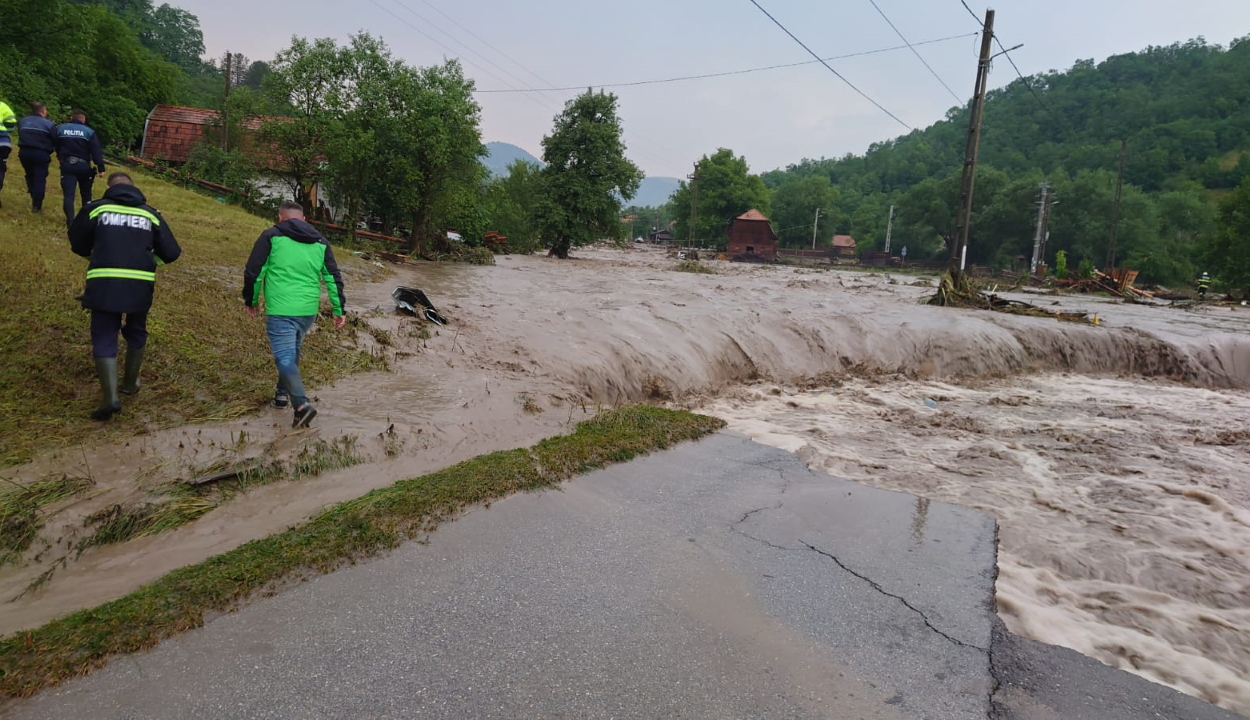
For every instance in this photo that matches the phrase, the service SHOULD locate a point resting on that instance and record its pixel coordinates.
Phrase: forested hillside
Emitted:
(1184, 111)
(114, 58)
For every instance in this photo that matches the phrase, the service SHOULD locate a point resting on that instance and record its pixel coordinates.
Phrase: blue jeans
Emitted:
(286, 336)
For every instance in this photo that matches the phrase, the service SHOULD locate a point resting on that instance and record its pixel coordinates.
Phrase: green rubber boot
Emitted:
(106, 371)
(130, 380)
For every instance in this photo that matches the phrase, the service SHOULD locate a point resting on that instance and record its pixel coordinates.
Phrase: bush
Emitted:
(1085, 270)
(1061, 265)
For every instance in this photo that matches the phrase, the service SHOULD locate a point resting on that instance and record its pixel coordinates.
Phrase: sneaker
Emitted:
(304, 416)
(281, 399)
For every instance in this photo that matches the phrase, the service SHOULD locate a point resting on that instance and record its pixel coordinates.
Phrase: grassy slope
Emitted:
(206, 358)
(74, 645)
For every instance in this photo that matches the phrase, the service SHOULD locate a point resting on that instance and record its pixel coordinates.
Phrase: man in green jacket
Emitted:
(288, 263)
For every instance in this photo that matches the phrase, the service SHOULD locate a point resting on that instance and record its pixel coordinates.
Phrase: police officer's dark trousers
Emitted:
(36, 178)
(106, 325)
(78, 178)
(5, 151)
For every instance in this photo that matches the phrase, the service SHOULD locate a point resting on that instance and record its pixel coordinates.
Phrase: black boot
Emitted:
(130, 380)
(106, 371)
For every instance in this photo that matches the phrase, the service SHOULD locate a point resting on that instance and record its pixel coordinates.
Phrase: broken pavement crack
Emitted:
(877, 586)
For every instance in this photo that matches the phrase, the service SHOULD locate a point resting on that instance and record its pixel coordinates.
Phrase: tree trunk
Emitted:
(561, 249)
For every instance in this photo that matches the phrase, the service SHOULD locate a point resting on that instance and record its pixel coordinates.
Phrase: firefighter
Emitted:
(36, 141)
(77, 147)
(8, 123)
(1204, 284)
(124, 239)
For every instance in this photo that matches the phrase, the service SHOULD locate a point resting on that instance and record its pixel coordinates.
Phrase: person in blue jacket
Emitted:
(36, 141)
(8, 123)
(77, 147)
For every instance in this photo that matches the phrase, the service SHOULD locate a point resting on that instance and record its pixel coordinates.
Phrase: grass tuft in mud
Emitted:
(206, 360)
(691, 266)
(184, 503)
(20, 506)
(381, 520)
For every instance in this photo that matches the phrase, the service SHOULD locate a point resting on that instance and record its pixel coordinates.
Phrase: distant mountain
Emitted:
(500, 155)
(654, 191)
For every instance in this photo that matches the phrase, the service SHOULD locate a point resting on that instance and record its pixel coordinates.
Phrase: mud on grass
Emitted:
(21, 508)
(206, 359)
(379, 521)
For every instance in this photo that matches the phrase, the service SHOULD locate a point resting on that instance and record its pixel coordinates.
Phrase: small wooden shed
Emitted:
(751, 238)
(844, 246)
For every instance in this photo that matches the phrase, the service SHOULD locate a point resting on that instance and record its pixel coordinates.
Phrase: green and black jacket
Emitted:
(288, 263)
(125, 239)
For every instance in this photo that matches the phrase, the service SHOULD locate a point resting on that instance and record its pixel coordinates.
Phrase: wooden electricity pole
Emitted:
(694, 204)
(963, 215)
(1115, 218)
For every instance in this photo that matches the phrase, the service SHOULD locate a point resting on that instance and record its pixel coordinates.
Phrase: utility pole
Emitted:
(694, 203)
(889, 230)
(225, 130)
(815, 226)
(1041, 228)
(959, 249)
(1115, 218)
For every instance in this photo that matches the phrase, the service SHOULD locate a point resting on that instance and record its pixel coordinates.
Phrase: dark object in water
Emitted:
(414, 302)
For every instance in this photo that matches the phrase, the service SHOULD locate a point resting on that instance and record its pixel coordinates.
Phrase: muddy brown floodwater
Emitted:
(1115, 457)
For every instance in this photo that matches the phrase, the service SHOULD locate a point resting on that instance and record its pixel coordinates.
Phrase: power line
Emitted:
(1004, 52)
(916, 52)
(737, 72)
(485, 42)
(828, 66)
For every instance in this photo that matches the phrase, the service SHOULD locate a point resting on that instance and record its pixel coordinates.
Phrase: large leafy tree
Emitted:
(586, 174)
(510, 202)
(1227, 253)
(794, 207)
(725, 189)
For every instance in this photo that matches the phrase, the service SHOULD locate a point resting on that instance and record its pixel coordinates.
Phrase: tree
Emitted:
(174, 34)
(510, 203)
(586, 174)
(256, 73)
(1227, 254)
(794, 206)
(726, 189)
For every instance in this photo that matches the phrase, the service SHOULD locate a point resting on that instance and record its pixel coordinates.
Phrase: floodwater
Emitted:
(1114, 457)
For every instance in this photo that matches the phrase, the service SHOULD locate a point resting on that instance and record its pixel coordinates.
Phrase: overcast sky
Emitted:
(774, 117)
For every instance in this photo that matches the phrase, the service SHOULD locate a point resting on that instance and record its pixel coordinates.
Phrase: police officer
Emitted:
(77, 146)
(36, 141)
(124, 238)
(8, 122)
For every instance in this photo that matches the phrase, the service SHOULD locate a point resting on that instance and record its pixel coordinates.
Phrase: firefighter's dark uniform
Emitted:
(1204, 284)
(77, 147)
(36, 141)
(125, 240)
(8, 123)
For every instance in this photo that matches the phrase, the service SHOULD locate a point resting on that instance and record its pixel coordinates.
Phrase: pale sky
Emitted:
(774, 117)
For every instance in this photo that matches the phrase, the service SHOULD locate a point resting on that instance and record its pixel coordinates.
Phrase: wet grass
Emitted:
(379, 521)
(183, 503)
(20, 506)
(692, 266)
(206, 359)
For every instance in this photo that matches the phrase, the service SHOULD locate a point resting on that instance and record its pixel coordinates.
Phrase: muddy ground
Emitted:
(1115, 457)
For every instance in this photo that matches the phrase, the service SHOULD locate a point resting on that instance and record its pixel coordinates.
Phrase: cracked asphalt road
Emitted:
(719, 579)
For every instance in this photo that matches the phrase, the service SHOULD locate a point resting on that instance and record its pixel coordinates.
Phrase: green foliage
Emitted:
(794, 206)
(510, 201)
(586, 174)
(390, 141)
(1061, 264)
(1184, 111)
(1085, 270)
(66, 54)
(726, 189)
(1227, 253)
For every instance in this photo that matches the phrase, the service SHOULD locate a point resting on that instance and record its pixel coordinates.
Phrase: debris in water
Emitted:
(410, 299)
